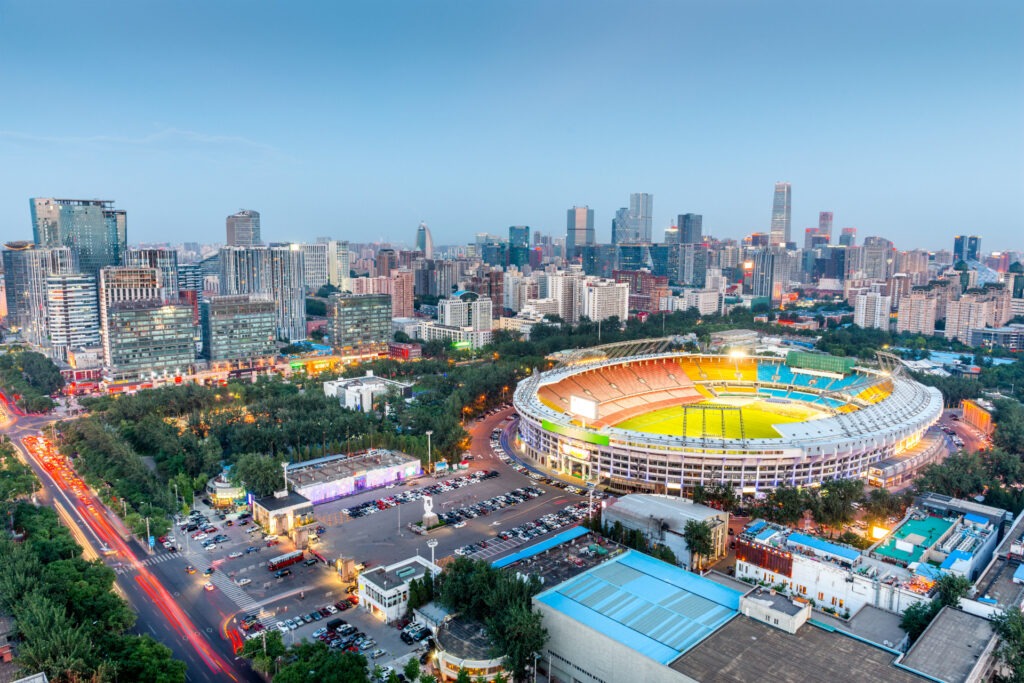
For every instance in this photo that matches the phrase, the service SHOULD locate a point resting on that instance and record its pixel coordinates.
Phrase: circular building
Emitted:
(639, 417)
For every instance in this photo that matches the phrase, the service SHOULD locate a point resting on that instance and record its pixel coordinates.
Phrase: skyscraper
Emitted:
(164, 260)
(690, 228)
(622, 229)
(317, 264)
(387, 260)
(641, 210)
(825, 224)
(124, 285)
(72, 313)
(781, 214)
(966, 248)
(424, 241)
(288, 288)
(26, 268)
(93, 229)
(848, 237)
(244, 229)
(973, 248)
(579, 229)
(519, 236)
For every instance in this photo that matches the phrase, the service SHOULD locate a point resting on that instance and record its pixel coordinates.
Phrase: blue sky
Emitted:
(359, 120)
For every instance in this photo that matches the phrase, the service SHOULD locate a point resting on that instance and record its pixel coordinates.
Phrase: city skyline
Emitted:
(396, 126)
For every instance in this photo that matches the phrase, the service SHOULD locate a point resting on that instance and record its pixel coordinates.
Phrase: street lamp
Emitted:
(429, 457)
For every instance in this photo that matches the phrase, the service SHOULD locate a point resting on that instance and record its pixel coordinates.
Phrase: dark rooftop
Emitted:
(746, 650)
(949, 648)
(464, 638)
(870, 623)
(291, 500)
(566, 560)
(778, 602)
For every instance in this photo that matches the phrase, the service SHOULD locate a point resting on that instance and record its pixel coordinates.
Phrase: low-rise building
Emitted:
(335, 476)
(384, 591)
(662, 519)
(978, 413)
(282, 512)
(464, 644)
(358, 393)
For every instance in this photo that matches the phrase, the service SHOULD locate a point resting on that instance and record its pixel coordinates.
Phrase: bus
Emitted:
(284, 560)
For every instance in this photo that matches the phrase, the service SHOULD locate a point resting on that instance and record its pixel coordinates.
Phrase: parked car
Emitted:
(244, 582)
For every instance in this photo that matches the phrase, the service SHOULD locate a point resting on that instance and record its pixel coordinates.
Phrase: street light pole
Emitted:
(430, 459)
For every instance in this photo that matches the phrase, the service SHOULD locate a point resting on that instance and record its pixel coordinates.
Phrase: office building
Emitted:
(190, 277)
(781, 214)
(825, 225)
(641, 212)
(243, 229)
(690, 228)
(26, 268)
(244, 270)
(72, 313)
(316, 265)
(424, 241)
(579, 230)
(672, 235)
(238, 327)
(148, 339)
(604, 299)
(871, 310)
(693, 264)
(164, 260)
(966, 248)
(121, 285)
(848, 237)
(93, 229)
(466, 309)
(622, 228)
(287, 286)
(771, 273)
(384, 591)
(359, 321)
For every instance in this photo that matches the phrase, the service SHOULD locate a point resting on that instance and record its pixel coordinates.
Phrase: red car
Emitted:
(274, 542)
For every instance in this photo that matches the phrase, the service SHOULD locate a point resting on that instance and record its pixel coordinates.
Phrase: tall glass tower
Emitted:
(424, 241)
(243, 229)
(93, 229)
(641, 210)
(781, 210)
(579, 229)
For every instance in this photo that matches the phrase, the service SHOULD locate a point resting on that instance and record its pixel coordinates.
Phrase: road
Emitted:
(208, 657)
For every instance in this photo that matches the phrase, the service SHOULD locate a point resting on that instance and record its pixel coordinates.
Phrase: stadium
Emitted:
(638, 416)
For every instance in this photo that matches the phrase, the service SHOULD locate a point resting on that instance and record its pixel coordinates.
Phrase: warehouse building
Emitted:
(662, 520)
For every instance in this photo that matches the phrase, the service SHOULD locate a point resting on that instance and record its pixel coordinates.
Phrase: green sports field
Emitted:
(709, 420)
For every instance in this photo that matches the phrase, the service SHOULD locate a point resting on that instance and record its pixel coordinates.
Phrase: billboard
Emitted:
(583, 407)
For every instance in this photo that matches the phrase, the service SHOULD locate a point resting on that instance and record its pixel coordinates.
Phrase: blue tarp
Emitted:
(821, 546)
(975, 519)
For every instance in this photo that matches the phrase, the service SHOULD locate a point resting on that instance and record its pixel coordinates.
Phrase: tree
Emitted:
(412, 669)
(463, 677)
(1009, 626)
(697, 535)
(50, 642)
(833, 504)
(261, 474)
(917, 617)
(524, 635)
(950, 588)
(141, 658)
(785, 505)
(264, 651)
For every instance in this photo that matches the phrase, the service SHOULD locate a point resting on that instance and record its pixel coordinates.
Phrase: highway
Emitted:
(176, 617)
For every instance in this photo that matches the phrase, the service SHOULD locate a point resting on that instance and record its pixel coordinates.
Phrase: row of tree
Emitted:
(29, 378)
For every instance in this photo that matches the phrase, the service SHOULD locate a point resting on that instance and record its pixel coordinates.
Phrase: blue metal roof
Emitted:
(563, 537)
(821, 546)
(1018, 576)
(975, 519)
(656, 609)
(953, 557)
(756, 526)
(766, 534)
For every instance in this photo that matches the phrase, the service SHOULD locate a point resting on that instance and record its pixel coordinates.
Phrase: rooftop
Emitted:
(949, 648)
(398, 574)
(341, 466)
(654, 608)
(996, 584)
(464, 638)
(909, 541)
(538, 548)
(273, 503)
(871, 623)
(777, 601)
(646, 505)
(746, 650)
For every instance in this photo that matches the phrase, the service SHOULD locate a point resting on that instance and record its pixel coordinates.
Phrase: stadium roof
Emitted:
(656, 609)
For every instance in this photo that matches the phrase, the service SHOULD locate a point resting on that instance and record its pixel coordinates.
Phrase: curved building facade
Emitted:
(665, 422)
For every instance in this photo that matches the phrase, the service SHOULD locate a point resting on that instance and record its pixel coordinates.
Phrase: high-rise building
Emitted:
(465, 309)
(693, 264)
(387, 260)
(825, 224)
(72, 313)
(148, 339)
(691, 228)
(604, 299)
(641, 212)
(243, 229)
(672, 234)
(771, 273)
(966, 248)
(93, 229)
(120, 285)
(579, 230)
(916, 313)
(26, 268)
(424, 242)
(518, 245)
(848, 237)
(190, 277)
(401, 285)
(359, 321)
(871, 310)
(781, 214)
(317, 264)
(287, 287)
(164, 260)
(238, 327)
(622, 228)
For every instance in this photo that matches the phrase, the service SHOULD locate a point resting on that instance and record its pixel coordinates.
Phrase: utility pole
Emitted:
(430, 459)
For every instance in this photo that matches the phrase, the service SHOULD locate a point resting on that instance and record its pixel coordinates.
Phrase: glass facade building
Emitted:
(149, 339)
(72, 313)
(781, 214)
(93, 229)
(359, 321)
(238, 327)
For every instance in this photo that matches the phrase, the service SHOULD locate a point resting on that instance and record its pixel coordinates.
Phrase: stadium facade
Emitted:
(858, 417)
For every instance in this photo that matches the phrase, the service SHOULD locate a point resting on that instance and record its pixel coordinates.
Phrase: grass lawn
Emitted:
(758, 418)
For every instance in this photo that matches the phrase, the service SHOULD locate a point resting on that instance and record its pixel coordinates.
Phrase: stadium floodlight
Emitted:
(737, 353)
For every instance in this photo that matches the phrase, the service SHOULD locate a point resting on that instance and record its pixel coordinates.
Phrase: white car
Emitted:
(235, 555)
(271, 537)
(459, 524)
(244, 582)
(211, 547)
(200, 537)
(282, 627)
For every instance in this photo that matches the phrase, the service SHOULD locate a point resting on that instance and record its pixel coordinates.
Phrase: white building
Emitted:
(317, 270)
(72, 313)
(604, 299)
(662, 520)
(465, 309)
(384, 591)
(357, 393)
(871, 310)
